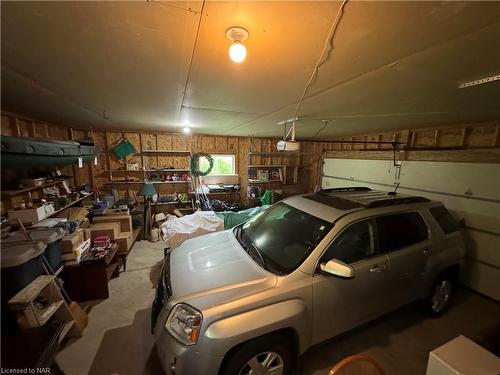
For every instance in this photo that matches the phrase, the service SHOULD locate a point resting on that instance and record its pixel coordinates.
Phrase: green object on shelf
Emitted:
(123, 148)
(267, 197)
(148, 190)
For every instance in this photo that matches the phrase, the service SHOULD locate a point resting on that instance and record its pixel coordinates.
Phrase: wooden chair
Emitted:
(357, 365)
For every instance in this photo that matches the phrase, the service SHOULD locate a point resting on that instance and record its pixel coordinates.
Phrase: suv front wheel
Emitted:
(440, 296)
(266, 356)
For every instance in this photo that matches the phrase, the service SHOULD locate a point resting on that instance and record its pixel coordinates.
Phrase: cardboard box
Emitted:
(77, 252)
(72, 240)
(125, 221)
(462, 356)
(28, 215)
(110, 229)
(86, 233)
(124, 242)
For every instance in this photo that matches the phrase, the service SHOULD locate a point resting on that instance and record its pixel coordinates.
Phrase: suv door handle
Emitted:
(378, 268)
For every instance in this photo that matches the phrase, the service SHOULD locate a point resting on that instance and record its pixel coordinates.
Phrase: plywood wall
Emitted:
(463, 143)
(474, 143)
(99, 175)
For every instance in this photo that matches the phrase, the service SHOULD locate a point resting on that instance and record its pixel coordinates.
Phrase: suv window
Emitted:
(283, 235)
(355, 243)
(400, 230)
(447, 222)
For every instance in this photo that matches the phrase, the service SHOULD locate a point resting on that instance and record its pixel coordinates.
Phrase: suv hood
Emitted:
(214, 269)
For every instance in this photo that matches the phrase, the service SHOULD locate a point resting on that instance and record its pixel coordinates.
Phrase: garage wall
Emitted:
(98, 175)
(470, 190)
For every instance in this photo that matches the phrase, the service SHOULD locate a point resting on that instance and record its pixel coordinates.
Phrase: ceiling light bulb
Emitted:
(186, 129)
(237, 52)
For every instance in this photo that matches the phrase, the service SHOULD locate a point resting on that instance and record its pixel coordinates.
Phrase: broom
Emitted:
(79, 316)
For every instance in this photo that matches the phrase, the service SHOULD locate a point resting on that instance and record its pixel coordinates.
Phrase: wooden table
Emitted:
(89, 281)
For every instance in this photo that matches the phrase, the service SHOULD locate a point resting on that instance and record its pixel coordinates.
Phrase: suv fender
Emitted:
(223, 335)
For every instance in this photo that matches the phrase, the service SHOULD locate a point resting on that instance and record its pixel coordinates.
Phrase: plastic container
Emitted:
(51, 237)
(21, 263)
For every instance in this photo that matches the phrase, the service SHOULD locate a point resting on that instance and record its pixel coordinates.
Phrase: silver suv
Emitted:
(250, 300)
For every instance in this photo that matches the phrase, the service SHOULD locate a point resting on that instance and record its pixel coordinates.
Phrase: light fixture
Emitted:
(237, 50)
(186, 129)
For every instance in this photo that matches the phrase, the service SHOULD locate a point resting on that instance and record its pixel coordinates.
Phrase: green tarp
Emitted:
(231, 219)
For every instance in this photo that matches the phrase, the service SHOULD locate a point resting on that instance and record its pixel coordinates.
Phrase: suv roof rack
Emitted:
(344, 189)
(395, 201)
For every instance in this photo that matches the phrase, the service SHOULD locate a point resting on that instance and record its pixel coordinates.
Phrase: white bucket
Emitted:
(155, 235)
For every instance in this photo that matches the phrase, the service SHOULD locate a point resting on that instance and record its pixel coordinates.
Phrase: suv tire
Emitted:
(440, 296)
(261, 355)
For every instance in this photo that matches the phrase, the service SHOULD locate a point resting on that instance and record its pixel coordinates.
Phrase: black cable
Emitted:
(320, 130)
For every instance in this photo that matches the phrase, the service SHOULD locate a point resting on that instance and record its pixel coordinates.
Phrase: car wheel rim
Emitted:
(266, 363)
(441, 295)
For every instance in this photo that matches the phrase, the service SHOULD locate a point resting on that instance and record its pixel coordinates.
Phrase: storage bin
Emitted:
(21, 263)
(51, 237)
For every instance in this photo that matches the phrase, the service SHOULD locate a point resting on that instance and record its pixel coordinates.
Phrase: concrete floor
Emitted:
(118, 340)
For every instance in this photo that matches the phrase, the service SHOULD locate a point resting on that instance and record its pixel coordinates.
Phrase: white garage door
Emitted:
(470, 190)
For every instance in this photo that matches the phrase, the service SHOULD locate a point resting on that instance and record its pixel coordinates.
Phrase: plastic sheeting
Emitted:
(231, 219)
(176, 230)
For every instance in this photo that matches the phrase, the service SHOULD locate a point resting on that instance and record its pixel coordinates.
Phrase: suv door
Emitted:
(340, 304)
(404, 237)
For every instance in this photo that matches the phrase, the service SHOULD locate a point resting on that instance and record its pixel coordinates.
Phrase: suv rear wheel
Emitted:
(440, 296)
(262, 356)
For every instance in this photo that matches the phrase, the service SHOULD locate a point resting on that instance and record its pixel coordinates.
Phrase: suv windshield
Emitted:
(281, 237)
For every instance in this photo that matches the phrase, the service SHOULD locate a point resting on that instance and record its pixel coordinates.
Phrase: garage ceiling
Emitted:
(123, 65)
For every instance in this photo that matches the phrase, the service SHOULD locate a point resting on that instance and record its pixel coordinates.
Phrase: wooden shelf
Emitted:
(165, 152)
(169, 170)
(270, 166)
(163, 203)
(62, 209)
(148, 170)
(149, 182)
(275, 153)
(28, 189)
(216, 193)
(265, 182)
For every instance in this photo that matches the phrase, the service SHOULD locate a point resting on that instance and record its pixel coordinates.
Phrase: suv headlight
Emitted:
(184, 323)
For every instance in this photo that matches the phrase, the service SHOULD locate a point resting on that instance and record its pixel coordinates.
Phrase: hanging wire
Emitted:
(322, 58)
(325, 123)
(191, 59)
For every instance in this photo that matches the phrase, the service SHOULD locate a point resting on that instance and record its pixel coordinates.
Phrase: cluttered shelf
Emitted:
(264, 166)
(144, 181)
(275, 153)
(187, 152)
(265, 182)
(70, 204)
(32, 188)
(48, 215)
(148, 170)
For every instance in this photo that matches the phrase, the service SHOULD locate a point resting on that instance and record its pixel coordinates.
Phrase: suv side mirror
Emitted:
(337, 268)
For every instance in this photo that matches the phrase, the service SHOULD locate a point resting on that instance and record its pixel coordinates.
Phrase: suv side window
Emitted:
(447, 222)
(401, 230)
(355, 243)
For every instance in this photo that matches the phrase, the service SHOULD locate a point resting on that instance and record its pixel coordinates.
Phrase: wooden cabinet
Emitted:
(89, 281)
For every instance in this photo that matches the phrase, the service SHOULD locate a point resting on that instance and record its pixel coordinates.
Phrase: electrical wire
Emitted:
(191, 59)
(166, 4)
(320, 130)
(322, 58)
